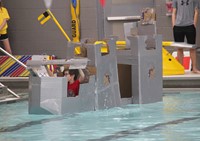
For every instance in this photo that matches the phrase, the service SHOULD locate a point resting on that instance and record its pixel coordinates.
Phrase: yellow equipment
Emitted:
(170, 65)
(104, 49)
(166, 43)
(43, 18)
(75, 23)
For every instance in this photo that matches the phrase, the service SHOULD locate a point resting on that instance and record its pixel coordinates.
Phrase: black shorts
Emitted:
(3, 36)
(180, 32)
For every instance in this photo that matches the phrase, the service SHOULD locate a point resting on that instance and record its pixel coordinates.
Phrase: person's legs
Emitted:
(7, 47)
(179, 37)
(180, 55)
(191, 39)
(194, 62)
(6, 43)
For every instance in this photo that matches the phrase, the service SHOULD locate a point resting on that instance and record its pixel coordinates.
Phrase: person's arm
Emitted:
(49, 72)
(3, 24)
(173, 17)
(196, 15)
(81, 75)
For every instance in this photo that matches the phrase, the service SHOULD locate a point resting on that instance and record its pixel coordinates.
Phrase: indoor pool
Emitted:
(177, 118)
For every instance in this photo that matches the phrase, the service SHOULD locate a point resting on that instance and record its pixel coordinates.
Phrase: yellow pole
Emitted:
(59, 26)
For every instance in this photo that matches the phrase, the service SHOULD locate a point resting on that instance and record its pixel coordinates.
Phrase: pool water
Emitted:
(177, 118)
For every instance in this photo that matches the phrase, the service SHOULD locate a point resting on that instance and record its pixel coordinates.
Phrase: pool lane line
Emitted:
(31, 123)
(116, 135)
(136, 131)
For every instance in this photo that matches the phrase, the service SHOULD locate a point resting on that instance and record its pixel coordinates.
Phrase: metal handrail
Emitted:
(13, 93)
(2, 50)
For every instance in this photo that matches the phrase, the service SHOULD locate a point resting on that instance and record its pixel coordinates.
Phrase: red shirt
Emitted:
(73, 89)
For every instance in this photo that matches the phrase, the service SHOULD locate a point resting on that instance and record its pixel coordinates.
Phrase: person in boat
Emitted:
(74, 78)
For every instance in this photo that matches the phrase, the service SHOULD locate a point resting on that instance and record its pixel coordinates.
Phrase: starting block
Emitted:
(177, 44)
(171, 66)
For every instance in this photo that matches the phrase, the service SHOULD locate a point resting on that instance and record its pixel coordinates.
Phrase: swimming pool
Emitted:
(176, 118)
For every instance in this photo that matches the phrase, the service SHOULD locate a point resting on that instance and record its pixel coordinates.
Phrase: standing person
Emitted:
(184, 22)
(4, 17)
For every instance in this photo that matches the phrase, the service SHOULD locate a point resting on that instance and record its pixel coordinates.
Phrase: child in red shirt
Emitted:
(74, 77)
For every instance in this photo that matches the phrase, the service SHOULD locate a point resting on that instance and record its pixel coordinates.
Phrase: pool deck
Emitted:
(188, 80)
(19, 85)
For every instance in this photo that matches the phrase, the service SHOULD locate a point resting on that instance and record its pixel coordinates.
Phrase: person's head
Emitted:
(71, 74)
